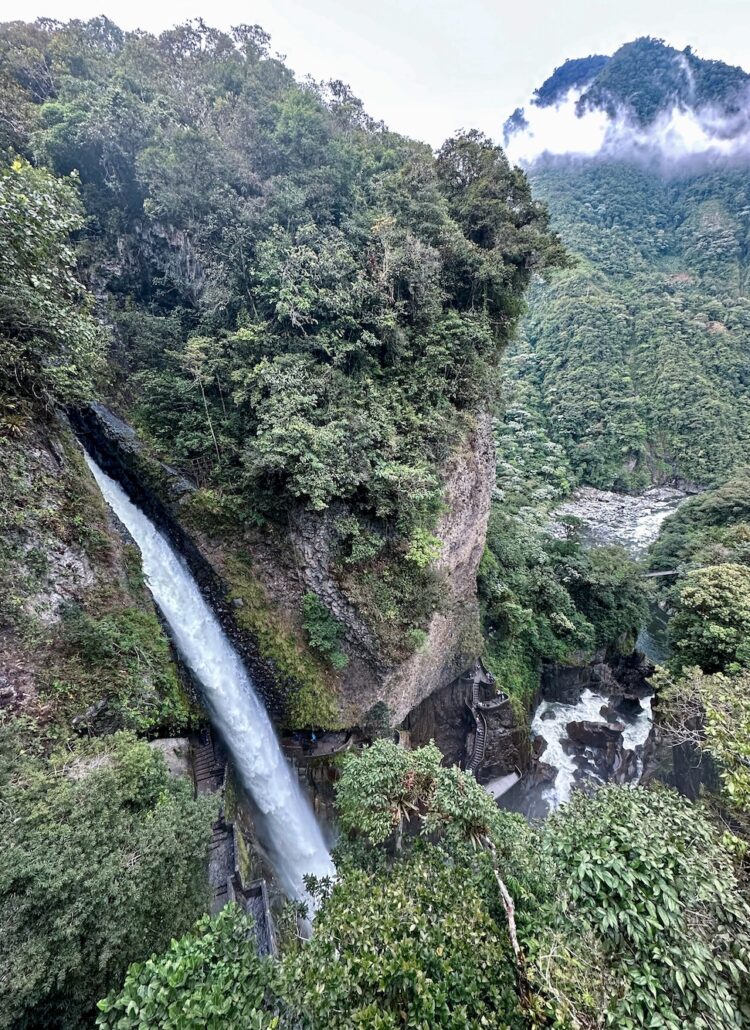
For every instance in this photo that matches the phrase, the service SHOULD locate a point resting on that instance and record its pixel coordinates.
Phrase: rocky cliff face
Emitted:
(81, 646)
(258, 581)
(454, 635)
(624, 676)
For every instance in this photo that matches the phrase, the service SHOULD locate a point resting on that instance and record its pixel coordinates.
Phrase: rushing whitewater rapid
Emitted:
(550, 722)
(607, 518)
(286, 823)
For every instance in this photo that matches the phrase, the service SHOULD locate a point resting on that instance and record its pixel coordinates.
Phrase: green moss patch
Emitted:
(310, 685)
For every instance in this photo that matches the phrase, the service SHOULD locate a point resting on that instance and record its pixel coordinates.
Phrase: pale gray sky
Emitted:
(429, 67)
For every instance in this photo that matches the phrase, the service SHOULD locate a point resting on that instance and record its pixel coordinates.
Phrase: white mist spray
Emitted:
(287, 824)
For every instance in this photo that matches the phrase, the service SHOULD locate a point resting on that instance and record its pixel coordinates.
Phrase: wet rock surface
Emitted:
(303, 560)
(508, 745)
(623, 677)
(594, 734)
(444, 717)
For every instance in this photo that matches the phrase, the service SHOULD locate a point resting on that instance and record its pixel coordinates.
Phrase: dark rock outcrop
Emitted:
(631, 674)
(566, 683)
(446, 718)
(98, 720)
(594, 734)
(618, 676)
(508, 746)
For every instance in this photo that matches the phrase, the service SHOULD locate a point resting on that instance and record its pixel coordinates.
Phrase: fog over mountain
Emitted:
(648, 102)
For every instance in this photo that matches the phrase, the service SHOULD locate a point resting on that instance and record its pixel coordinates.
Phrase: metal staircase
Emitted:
(480, 733)
(481, 676)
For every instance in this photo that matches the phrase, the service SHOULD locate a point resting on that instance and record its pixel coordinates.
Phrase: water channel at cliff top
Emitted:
(634, 523)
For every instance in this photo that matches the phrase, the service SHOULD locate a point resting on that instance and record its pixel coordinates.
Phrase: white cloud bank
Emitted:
(676, 136)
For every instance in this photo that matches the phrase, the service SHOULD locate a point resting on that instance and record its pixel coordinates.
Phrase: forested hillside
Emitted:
(303, 316)
(307, 309)
(637, 359)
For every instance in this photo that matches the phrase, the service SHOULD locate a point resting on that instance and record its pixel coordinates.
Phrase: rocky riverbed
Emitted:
(593, 722)
(627, 519)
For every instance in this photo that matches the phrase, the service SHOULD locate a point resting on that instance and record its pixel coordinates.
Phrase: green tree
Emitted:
(103, 862)
(52, 345)
(711, 624)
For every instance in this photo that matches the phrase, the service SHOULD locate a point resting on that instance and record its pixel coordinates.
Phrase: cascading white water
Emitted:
(287, 824)
(607, 518)
(551, 720)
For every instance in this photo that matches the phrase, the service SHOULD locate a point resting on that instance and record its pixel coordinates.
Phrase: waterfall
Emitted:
(286, 823)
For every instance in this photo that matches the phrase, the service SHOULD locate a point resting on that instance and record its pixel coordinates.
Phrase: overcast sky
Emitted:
(429, 67)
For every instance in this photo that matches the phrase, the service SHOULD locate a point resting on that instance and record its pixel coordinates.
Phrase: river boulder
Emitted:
(595, 734)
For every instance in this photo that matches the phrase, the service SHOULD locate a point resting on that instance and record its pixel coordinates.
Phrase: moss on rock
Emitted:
(310, 686)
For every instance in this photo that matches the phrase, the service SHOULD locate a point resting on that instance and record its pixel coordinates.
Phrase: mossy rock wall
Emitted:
(81, 644)
(295, 685)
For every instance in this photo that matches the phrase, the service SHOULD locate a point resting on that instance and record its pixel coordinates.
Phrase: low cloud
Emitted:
(676, 137)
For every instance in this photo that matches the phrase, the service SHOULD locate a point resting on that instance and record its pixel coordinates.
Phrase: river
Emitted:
(634, 523)
(285, 822)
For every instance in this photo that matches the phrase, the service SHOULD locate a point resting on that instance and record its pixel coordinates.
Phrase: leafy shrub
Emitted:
(414, 945)
(102, 863)
(211, 978)
(424, 548)
(647, 873)
(323, 631)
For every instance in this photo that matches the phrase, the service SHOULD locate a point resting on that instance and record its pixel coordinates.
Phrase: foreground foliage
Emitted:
(646, 872)
(626, 907)
(211, 978)
(103, 860)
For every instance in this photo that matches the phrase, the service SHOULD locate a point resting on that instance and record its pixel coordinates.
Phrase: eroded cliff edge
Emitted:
(257, 580)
